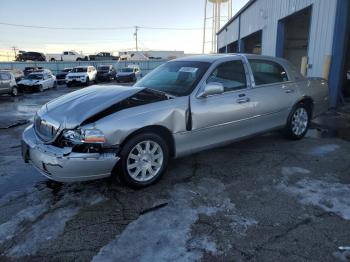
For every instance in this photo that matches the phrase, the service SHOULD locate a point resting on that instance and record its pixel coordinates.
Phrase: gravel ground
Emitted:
(262, 199)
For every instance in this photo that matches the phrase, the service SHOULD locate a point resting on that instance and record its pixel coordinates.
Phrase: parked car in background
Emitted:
(61, 76)
(81, 75)
(17, 73)
(105, 73)
(66, 56)
(30, 69)
(182, 107)
(103, 56)
(128, 74)
(30, 56)
(8, 83)
(38, 81)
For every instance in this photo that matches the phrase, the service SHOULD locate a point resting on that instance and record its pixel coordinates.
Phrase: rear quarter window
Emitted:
(267, 72)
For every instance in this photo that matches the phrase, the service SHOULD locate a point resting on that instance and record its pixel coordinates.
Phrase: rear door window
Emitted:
(267, 72)
(230, 74)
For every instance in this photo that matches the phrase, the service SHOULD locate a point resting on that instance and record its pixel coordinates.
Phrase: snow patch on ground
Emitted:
(288, 171)
(45, 217)
(342, 256)
(324, 150)
(330, 196)
(48, 228)
(165, 234)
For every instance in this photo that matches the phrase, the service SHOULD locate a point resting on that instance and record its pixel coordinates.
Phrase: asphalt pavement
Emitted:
(262, 199)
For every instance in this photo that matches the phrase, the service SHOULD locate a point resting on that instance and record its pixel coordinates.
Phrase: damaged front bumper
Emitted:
(63, 165)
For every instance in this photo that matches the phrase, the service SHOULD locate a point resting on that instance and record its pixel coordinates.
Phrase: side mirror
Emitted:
(213, 88)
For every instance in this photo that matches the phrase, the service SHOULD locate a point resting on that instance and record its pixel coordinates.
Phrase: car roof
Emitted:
(215, 57)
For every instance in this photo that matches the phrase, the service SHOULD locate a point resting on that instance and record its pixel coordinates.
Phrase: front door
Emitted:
(224, 117)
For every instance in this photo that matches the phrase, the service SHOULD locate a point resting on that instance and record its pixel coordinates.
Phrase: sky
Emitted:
(103, 14)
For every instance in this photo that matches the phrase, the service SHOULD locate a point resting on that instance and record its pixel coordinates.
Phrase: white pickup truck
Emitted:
(66, 56)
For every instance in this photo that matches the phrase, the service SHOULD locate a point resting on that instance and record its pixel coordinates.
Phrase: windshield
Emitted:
(35, 76)
(103, 68)
(127, 70)
(79, 70)
(177, 78)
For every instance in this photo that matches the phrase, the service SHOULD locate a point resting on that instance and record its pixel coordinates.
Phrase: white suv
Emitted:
(81, 74)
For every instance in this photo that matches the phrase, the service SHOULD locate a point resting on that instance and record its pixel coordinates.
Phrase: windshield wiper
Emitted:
(163, 93)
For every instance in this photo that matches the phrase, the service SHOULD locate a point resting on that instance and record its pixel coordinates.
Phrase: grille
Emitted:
(74, 77)
(46, 130)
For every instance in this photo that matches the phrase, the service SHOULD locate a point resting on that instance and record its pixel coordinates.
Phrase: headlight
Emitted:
(80, 136)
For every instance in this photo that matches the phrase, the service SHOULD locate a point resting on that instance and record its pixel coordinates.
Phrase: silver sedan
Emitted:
(182, 107)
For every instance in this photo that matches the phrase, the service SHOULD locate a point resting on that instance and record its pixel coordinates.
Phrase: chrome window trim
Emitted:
(197, 91)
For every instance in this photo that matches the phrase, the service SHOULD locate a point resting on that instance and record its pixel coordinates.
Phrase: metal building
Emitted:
(312, 34)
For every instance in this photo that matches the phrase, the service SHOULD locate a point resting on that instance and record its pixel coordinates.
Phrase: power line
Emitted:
(171, 28)
(99, 28)
(66, 28)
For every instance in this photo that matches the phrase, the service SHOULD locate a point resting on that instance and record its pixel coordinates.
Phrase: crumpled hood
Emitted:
(72, 109)
(29, 82)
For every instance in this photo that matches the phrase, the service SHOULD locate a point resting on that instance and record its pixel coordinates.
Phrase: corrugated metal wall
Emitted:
(265, 14)
(55, 67)
(229, 36)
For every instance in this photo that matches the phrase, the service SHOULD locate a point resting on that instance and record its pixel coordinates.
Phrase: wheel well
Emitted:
(159, 130)
(307, 101)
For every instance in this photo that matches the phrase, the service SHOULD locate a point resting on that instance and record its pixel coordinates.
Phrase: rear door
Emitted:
(274, 91)
(220, 118)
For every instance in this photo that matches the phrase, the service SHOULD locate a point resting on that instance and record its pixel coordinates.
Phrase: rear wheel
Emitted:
(298, 122)
(143, 160)
(52, 59)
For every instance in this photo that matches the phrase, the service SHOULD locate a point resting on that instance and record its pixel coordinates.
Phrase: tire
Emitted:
(87, 82)
(52, 59)
(78, 59)
(41, 88)
(14, 91)
(54, 85)
(69, 84)
(140, 176)
(298, 122)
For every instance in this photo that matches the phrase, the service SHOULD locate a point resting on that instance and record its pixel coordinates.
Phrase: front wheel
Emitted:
(298, 122)
(41, 88)
(14, 91)
(143, 160)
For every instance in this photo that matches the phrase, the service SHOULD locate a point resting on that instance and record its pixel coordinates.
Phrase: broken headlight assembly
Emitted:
(87, 136)
(82, 140)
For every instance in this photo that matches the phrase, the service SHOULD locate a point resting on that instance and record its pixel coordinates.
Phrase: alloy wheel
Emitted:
(145, 161)
(300, 121)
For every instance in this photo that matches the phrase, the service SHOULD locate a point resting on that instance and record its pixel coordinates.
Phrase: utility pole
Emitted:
(135, 34)
(14, 48)
(205, 23)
